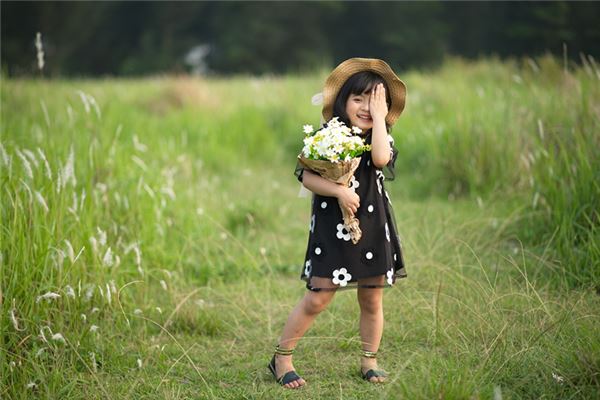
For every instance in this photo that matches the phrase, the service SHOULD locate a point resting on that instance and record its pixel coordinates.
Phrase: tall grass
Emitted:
(145, 221)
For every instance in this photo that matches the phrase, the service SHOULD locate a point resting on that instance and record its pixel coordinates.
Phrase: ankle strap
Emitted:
(283, 352)
(369, 354)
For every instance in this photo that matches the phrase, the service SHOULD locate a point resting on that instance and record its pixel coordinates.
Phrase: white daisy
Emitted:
(387, 232)
(312, 224)
(343, 232)
(308, 129)
(356, 130)
(307, 268)
(354, 184)
(341, 277)
(390, 277)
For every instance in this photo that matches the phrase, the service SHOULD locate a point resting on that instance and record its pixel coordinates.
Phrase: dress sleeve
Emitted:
(389, 170)
(299, 171)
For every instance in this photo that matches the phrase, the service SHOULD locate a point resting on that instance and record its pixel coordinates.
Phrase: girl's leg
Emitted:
(298, 322)
(371, 321)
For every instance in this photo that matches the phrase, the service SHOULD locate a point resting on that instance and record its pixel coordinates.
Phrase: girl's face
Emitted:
(357, 110)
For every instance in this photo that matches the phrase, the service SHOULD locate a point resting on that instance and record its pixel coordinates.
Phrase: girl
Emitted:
(367, 94)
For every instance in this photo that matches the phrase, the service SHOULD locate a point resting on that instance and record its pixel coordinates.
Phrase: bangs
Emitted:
(363, 81)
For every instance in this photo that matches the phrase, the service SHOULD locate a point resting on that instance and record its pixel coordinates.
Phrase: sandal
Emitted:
(372, 372)
(289, 376)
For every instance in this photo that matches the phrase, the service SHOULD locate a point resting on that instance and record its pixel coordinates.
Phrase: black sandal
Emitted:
(289, 376)
(372, 372)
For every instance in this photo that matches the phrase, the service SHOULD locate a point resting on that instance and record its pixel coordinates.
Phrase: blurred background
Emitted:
(133, 38)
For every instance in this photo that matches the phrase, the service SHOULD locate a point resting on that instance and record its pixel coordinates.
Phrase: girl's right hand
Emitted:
(348, 200)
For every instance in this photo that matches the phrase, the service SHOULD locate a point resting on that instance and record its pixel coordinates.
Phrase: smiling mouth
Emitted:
(364, 117)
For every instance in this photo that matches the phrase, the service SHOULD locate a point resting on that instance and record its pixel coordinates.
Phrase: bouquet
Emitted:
(334, 153)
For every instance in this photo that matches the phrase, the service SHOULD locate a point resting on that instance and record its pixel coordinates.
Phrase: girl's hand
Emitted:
(348, 200)
(377, 104)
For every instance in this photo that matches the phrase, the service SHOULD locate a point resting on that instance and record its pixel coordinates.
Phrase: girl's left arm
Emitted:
(380, 145)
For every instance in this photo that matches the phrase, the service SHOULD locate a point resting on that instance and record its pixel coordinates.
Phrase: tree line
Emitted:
(137, 38)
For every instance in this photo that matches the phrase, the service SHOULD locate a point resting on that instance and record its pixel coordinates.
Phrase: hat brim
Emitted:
(346, 69)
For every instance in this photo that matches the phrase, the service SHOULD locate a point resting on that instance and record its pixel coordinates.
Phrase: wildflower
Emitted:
(263, 251)
(139, 363)
(137, 311)
(84, 317)
(94, 328)
(558, 378)
(356, 130)
(308, 129)
(69, 291)
(163, 284)
(48, 296)
(58, 337)
(159, 310)
(94, 310)
(31, 385)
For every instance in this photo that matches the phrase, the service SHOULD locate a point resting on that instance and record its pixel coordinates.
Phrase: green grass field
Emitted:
(152, 238)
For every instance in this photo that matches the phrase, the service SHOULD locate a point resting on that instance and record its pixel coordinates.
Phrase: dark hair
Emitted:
(358, 84)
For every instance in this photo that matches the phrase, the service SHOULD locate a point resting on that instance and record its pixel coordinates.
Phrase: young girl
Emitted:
(364, 93)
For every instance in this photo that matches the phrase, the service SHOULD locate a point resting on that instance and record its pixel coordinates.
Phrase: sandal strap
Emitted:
(288, 377)
(283, 352)
(374, 373)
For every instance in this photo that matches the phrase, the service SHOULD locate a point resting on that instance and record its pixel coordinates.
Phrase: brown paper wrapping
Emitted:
(340, 173)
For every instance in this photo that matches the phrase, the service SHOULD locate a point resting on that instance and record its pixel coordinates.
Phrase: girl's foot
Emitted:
(283, 364)
(367, 364)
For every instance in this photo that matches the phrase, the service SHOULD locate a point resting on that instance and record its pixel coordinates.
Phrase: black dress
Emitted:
(330, 252)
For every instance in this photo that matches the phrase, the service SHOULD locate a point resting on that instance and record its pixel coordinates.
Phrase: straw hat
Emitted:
(345, 70)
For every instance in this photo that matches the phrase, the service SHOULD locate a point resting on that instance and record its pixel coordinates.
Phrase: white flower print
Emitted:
(390, 277)
(395, 257)
(324, 205)
(378, 185)
(312, 224)
(369, 255)
(370, 208)
(317, 250)
(343, 232)
(307, 268)
(354, 184)
(380, 175)
(387, 232)
(387, 197)
(341, 277)
(368, 162)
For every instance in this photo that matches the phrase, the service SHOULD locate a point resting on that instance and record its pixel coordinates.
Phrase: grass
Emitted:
(169, 208)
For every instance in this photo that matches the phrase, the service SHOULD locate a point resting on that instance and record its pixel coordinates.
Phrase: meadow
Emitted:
(152, 238)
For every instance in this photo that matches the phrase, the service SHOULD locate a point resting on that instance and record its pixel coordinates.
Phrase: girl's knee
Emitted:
(314, 303)
(370, 302)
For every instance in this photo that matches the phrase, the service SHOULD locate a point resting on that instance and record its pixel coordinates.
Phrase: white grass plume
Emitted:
(26, 164)
(46, 164)
(41, 201)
